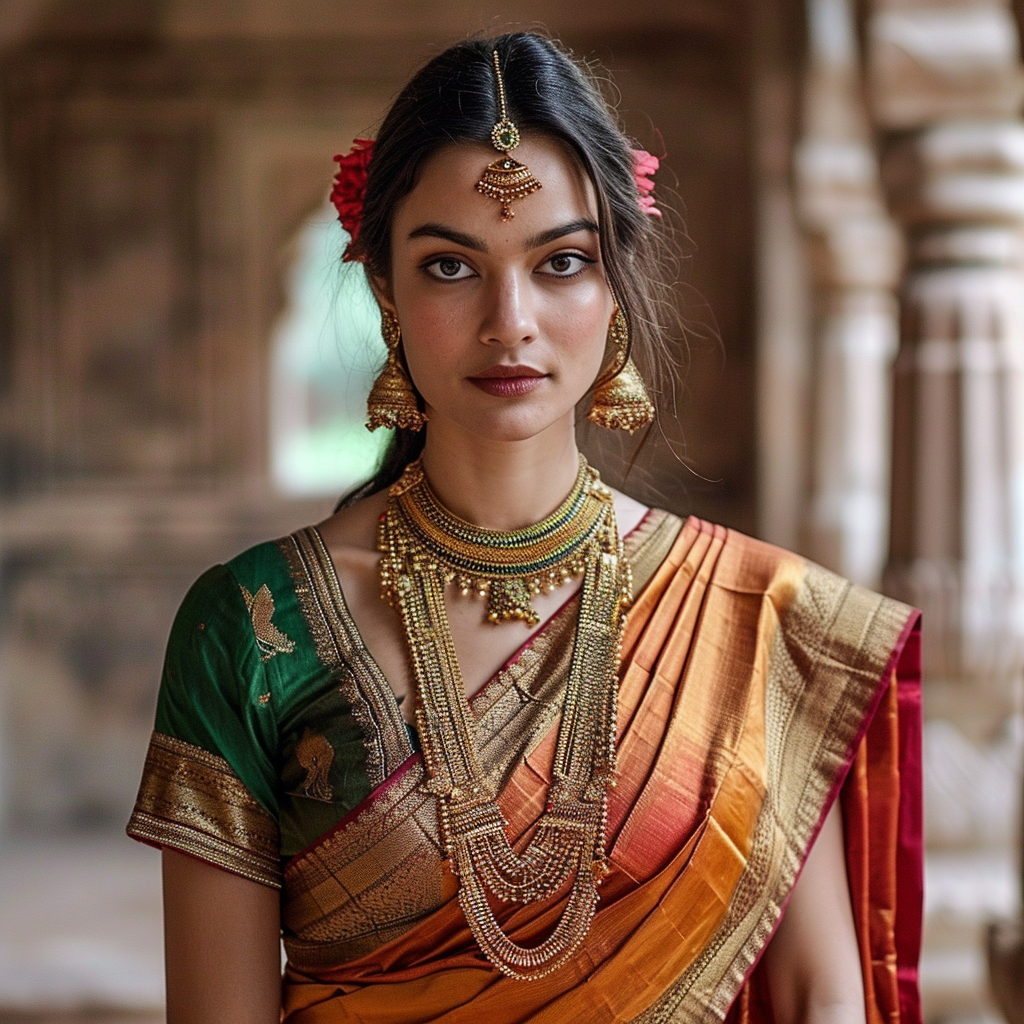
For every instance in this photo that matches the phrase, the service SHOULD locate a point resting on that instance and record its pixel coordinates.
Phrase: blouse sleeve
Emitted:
(209, 786)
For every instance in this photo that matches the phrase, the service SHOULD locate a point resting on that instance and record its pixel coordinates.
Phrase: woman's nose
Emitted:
(510, 318)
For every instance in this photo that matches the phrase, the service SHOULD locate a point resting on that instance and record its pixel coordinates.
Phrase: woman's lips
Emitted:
(508, 381)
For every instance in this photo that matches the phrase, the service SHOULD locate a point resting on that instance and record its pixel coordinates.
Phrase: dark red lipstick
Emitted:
(508, 381)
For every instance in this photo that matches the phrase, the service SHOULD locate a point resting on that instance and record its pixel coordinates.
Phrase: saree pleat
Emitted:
(749, 681)
(662, 623)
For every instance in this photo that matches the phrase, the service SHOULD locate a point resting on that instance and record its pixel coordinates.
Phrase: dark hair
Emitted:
(453, 98)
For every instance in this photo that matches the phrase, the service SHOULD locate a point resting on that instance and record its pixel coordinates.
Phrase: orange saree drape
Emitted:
(756, 688)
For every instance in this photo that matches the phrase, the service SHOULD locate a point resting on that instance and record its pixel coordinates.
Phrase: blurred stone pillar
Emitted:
(1006, 954)
(946, 86)
(854, 256)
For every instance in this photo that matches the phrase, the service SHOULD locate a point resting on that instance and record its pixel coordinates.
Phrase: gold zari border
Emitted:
(340, 647)
(828, 656)
(648, 545)
(191, 800)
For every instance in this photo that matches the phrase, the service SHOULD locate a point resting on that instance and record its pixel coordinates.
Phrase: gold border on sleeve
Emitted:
(191, 800)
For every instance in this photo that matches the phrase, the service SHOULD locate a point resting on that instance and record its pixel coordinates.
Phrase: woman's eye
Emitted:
(448, 268)
(566, 264)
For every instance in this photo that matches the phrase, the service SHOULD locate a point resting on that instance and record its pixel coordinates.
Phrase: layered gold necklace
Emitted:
(425, 549)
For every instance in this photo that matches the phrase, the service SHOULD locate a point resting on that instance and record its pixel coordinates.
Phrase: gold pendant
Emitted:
(510, 599)
(507, 180)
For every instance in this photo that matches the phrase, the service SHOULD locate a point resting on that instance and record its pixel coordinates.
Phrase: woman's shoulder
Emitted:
(272, 564)
(354, 527)
(261, 595)
(229, 587)
(735, 554)
(746, 563)
(813, 605)
(249, 602)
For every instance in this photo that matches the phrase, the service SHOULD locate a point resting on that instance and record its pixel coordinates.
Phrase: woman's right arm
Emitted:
(222, 949)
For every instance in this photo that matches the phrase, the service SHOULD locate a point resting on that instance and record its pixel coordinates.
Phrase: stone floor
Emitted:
(80, 938)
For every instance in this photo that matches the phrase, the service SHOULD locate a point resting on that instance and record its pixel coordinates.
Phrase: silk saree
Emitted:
(756, 689)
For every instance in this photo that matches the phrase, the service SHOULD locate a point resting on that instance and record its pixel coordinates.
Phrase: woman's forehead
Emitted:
(446, 191)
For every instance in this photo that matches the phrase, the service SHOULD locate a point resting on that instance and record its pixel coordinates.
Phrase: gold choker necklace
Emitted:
(425, 548)
(506, 568)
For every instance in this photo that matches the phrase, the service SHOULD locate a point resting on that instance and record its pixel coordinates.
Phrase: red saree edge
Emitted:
(910, 841)
(906, 657)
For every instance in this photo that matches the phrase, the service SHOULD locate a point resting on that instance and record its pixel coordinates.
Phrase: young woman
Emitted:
(585, 761)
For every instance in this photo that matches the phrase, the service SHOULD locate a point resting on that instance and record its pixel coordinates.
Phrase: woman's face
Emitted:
(503, 324)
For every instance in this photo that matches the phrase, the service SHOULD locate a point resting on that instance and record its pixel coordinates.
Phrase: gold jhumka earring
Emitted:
(621, 402)
(506, 179)
(392, 401)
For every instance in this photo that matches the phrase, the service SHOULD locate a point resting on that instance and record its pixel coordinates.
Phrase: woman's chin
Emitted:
(514, 424)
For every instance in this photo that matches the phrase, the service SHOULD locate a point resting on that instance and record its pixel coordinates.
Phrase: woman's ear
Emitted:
(381, 288)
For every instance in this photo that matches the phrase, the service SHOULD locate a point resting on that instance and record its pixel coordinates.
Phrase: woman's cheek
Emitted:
(584, 341)
(431, 364)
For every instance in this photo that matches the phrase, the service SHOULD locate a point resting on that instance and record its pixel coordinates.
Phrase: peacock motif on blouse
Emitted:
(315, 753)
(269, 639)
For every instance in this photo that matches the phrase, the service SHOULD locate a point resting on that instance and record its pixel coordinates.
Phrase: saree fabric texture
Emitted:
(756, 690)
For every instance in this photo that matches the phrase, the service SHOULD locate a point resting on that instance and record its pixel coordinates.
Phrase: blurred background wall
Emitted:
(176, 382)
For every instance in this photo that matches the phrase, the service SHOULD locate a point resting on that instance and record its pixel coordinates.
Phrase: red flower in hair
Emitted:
(349, 189)
(644, 167)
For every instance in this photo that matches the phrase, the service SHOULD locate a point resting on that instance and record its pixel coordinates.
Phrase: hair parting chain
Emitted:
(349, 189)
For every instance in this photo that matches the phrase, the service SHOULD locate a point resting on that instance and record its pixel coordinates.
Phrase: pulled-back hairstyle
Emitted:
(453, 99)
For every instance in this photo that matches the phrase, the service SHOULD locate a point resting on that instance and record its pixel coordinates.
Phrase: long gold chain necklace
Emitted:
(425, 548)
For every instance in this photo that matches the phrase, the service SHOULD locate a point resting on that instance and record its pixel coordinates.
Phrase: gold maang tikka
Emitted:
(506, 179)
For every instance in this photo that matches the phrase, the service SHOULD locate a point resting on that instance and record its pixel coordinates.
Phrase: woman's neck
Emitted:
(501, 485)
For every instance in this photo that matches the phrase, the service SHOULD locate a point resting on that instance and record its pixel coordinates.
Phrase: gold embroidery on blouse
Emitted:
(315, 753)
(269, 638)
(192, 800)
(340, 648)
(263, 699)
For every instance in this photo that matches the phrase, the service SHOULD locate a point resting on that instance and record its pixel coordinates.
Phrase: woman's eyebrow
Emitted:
(544, 237)
(432, 230)
(449, 234)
